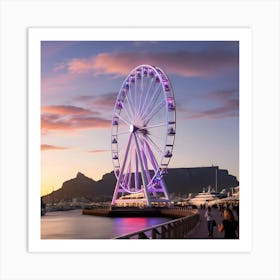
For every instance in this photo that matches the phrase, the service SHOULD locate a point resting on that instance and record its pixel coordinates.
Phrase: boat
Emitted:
(207, 198)
(232, 197)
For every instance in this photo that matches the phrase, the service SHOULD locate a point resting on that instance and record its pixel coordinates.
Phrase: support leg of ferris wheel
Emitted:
(115, 195)
(155, 166)
(144, 177)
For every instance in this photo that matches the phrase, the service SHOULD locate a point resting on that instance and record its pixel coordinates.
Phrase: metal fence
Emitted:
(174, 229)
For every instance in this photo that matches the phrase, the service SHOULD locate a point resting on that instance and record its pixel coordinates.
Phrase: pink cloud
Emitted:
(53, 122)
(184, 63)
(78, 65)
(45, 147)
(106, 100)
(90, 123)
(66, 110)
(70, 118)
(98, 151)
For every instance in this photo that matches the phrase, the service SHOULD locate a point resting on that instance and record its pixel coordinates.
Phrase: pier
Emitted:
(176, 212)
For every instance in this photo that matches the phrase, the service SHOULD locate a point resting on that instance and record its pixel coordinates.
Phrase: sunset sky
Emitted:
(80, 81)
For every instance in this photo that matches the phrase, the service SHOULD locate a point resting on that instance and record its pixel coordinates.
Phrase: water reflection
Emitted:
(75, 225)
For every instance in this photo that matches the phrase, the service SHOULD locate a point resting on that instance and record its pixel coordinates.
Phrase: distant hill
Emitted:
(179, 181)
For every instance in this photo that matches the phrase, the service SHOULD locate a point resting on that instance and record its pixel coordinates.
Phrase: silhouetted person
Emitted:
(221, 209)
(229, 225)
(210, 221)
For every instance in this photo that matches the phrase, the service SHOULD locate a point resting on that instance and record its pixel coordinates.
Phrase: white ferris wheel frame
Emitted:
(149, 189)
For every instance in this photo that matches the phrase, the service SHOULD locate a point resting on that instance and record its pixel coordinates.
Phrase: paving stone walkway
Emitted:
(201, 231)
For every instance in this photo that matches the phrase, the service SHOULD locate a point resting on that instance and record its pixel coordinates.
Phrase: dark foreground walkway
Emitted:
(201, 231)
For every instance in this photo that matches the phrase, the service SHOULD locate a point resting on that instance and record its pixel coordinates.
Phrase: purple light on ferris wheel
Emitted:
(143, 133)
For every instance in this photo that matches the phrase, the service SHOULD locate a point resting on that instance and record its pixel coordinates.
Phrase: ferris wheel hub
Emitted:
(133, 128)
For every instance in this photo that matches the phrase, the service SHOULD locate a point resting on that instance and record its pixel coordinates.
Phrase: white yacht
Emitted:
(209, 197)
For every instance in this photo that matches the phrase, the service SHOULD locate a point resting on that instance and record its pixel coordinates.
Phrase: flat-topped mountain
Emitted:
(178, 180)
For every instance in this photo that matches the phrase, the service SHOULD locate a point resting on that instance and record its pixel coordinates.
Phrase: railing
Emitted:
(177, 228)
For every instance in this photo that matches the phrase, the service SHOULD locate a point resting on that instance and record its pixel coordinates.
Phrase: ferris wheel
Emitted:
(142, 136)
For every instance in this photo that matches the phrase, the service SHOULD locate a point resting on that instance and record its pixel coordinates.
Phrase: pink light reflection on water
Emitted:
(130, 225)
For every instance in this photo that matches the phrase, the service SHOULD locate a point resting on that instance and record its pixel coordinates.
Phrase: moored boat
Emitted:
(206, 198)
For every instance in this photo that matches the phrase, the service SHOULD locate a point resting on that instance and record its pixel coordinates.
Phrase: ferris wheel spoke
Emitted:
(155, 145)
(151, 106)
(141, 93)
(138, 178)
(124, 120)
(124, 161)
(159, 141)
(136, 174)
(145, 161)
(154, 111)
(138, 104)
(129, 107)
(129, 178)
(148, 106)
(144, 171)
(157, 138)
(128, 114)
(151, 156)
(126, 176)
(126, 148)
(129, 170)
(128, 95)
(130, 102)
(123, 133)
(154, 101)
(135, 97)
(154, 126)
(132, 151)
(146, 95)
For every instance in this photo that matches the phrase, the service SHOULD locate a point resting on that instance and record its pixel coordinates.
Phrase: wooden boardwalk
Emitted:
(201, 231)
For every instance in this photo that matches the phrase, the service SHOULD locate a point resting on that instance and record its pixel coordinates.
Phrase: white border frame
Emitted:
(262, 16)
(243, 35)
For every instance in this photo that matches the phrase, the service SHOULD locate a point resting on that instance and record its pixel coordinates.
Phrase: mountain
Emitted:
(178, 180)
(193, 180)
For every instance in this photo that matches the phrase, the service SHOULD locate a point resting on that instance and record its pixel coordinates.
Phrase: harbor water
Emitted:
(74, 225)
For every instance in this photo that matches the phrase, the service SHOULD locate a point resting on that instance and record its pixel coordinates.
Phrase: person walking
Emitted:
(210, 221)
(229, 225)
